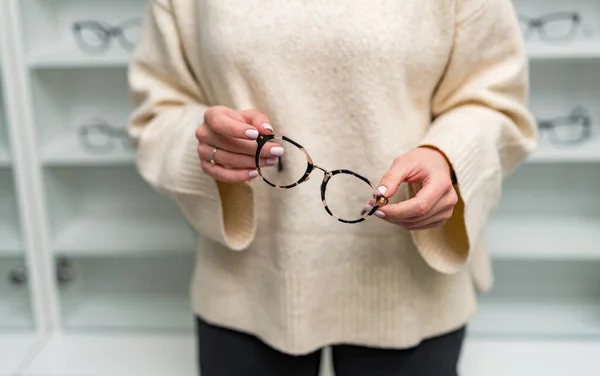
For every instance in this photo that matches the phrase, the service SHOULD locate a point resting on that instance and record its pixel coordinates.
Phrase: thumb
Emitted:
(391, 180)
(258, 120)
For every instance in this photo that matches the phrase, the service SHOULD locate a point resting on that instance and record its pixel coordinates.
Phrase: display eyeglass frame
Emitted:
(98, 136)
(577, 122)
(104, 32)
(542, 26)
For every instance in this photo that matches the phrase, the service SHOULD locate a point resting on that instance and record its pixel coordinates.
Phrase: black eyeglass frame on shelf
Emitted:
(108, 131)
(579, 116)
(539, 24)
(105, 32)
(262, 140)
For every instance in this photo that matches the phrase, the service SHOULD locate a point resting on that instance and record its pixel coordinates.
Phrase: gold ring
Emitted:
(212, 157)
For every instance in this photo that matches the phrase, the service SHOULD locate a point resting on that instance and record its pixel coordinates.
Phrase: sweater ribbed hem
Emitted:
(387, 306)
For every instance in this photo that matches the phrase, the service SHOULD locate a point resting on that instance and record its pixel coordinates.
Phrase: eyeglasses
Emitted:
(572, 128)
(558, 26)
(343, 193)
(98, 136)
(95, 35)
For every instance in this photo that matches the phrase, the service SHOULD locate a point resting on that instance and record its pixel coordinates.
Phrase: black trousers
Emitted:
(224, 352)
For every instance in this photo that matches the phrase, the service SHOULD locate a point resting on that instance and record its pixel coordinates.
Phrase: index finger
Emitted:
(420, 205)
(259, 120)
(229, 123)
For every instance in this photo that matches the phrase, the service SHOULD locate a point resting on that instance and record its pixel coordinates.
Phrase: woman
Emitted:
(415, 91)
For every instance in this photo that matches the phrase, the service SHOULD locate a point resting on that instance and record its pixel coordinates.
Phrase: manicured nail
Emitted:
(272, 160)
(368, 208)
(382, 189)
(277, 151)
(268, 126)
(379, 213)
(253, 173)
(252, 134)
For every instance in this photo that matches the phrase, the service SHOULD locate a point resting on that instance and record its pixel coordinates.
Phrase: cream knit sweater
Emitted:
(357, 83)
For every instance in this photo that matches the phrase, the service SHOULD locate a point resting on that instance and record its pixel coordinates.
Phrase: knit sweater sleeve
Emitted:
(168, 108)
(480, 122)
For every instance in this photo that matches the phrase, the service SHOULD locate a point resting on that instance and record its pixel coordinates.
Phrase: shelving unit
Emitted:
(16, 313)
(108, 260)
(17, 350)
(19, 340)
(109, 210)
(68, 152)
(4, 154)
(135, 293)
(573, 238)
(589, 152)
(551, 211)
(69, 99)
(10, 234)
(67, 57)
(114, 354)
(537, 298)
(578, 50)
(502, 357)
(562, 318)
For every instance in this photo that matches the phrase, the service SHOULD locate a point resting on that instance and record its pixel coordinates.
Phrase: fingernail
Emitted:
(253, 173)
(368, 208)
(272, 160)
(268, 126)
(252, 134)
(277, 151)
(379, 213)
(382, 189)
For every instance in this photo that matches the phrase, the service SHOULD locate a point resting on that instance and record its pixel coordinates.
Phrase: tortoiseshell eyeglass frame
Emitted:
(262, 140)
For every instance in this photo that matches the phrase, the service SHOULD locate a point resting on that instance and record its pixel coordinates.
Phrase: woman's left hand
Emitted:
(433, 204)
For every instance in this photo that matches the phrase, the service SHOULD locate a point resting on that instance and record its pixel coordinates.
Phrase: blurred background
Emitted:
(95, 266)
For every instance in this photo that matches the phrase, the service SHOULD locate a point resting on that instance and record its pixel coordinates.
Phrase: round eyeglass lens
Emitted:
(289, 168)
(346, 196)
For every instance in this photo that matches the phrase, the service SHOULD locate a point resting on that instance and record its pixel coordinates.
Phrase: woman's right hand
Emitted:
(233, 134)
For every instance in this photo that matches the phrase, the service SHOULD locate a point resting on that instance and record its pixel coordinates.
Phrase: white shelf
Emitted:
(116, 355)
(128, 311)
(10, 240)
(15, 349)
(119, 236)
(576, 50)
(511, 357)
(15, 313)
(540, 237)
(66, 151)
(119, 355)
(558, 317)
(586, 152)
(65, 58)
